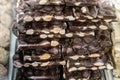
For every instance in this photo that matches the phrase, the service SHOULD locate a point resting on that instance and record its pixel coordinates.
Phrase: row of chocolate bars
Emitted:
(63, 40)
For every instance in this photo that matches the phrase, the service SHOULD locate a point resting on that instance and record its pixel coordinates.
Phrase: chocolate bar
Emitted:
(88, 26)
(84, 13)
(91, 46)
(80, 2)
(39, 54)
(106, 10)
(37, 73)
(84, 75)
(41, 2)
(102, 62)
(41, 13)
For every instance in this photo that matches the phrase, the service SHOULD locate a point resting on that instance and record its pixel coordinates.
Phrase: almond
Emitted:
(45, 56)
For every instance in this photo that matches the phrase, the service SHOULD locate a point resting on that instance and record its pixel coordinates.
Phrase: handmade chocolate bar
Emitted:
(80, 2)
(40, 13)
(90, 46)
(83, 75)
(41, 2)
(37, 73)
(39, 54)
(102, 62)
(106, 10)
(84, 13)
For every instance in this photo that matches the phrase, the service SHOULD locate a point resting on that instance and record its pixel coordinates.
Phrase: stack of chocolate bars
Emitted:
(63, 39)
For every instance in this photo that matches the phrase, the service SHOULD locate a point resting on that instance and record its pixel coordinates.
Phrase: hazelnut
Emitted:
(30, 32)
(43, 36)
(28, 18)
(72, 69)
(69, 35)
(37, 18)
(42, 2)
(54, 43)
(45, 56)
(84, 10)
(47, 17)
(45, 64)
(103, 27)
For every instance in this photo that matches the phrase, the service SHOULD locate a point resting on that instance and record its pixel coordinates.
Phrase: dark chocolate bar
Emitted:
(91, 46)
(39, 54)
(80, 2)
(102, 62)
(83, 75)
(37, 73)
(106, 10)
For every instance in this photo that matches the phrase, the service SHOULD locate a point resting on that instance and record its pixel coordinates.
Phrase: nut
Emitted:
(45, 56)
(95, 20)
(62, 62)
(102, 67)
(92, 27)
(94, 55)
(99, 63)
(27, 58)
(62, 31)
(54, 43)
(72, 69)
(75, 57)
(72, 79)
(47, 17)
(77, 63)
(84, 10)
(28, 18)
(26, 64)
(81, 34)
(56, 30)
(30, 32)
(108, 20)
(92, 33)
(69, 35)
(50, 35)
(94, 68)
(103, 27)
(35, 64)
(82, 20)
(82, 56)
(109, 66)
(77, 3)
(45, 64)
(82, 68)
(43, 36)
(71, 18)
(43, 2)
(59, 17)
(44, 43)
(89, 17)
(37, 18)
(57, 2)
(17, 64)
(45, 31)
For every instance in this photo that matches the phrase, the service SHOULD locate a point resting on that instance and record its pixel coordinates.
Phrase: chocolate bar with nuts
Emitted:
(44, 13)
(84, 13)
(37, 73)
(41, 2)
(88, 46)
(88, 26)
(106, 10)
(102, 62)
(80, 2)
(83, 75)
(39, 54)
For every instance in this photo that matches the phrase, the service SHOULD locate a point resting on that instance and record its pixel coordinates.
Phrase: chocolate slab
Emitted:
(91, 46)
(84, 75)
(39, 54)
(102, 62)
(80, 2)
(106, 10)
(37, 73)
(41, 2)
